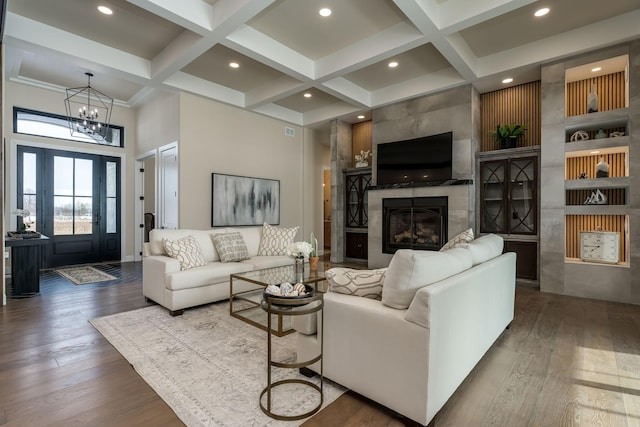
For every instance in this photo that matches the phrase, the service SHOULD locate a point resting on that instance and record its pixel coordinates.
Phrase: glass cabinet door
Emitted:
(493, 197)
(522, 187)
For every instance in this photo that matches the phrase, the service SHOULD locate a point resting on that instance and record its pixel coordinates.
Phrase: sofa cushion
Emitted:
(275, 240)
(186, 250)
(410, 270)
(212, 273)
(465, 237)
(485, 248)
(260, 262)
(230, 246)
(251, 236)
(361, 283)
(202, 237)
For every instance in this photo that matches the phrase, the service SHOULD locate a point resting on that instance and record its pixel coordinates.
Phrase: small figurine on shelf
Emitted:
(583, 175)
(596, 198)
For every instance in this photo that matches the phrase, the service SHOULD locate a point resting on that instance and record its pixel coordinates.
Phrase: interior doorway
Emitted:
(326, 203)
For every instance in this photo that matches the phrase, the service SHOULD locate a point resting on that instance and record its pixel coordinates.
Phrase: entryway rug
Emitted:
(85, 274)
(209, 367)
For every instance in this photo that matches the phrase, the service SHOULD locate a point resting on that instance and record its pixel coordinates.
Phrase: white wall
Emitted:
(215, 137)
(50, 101)
(158, 123)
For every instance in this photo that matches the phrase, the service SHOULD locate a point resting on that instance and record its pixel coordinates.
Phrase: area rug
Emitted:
(85, 274)
(209, 367)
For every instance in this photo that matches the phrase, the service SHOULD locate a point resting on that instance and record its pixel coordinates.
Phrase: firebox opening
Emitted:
(414, 223)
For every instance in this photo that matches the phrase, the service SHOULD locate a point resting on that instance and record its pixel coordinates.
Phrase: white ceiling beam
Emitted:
(327, 113)
(40, 37)
(194, 15)
(258, 46)
(198, 86)
(274, 91)
(601, 34)
(278, 112)
(348, 91)
(392, 41)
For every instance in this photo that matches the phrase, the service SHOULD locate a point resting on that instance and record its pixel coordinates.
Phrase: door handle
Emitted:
(98, 219)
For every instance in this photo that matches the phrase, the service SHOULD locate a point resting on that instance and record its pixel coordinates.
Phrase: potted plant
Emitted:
(313, 256)
(506, 135)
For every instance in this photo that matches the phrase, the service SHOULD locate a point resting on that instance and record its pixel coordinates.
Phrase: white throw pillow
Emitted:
(275, 240)
(361, 283)
(465, 237)
(410, 270)
(485, 248)
(186, 250)
(230, 246)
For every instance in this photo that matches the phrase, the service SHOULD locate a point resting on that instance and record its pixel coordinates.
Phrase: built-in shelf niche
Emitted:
(610, 80)
(585, 161)
(574, 224)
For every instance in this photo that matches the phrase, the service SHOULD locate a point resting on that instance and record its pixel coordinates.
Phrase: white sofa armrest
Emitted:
(154, 275)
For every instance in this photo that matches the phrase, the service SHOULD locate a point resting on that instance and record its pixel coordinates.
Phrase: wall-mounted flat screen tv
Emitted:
(426, 160)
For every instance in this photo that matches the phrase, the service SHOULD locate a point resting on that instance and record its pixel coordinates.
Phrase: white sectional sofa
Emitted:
(165, 283)
(447, 309)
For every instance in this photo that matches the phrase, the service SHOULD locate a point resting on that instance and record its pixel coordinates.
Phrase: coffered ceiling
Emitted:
(285, 49)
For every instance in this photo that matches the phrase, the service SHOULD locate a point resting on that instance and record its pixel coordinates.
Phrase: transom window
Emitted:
(31, 122)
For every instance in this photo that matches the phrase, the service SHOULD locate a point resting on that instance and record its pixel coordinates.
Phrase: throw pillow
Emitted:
(464, 237)
(361, 283)
(186, 250)
(275, 240)
(485, 248)
(230, 246)
(410, 270)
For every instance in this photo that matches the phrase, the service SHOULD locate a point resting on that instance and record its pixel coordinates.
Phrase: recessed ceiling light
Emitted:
(105, 10)
(361, 117)
(393, 64)
(596, 69)
(234, 65)
(307, 95)
(541, 12)
(325, 11)
(507, 80)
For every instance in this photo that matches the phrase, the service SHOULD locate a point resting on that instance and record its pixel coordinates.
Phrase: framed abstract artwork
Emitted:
(243, 200)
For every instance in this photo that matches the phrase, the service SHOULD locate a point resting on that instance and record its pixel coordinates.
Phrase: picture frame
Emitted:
(242, 200)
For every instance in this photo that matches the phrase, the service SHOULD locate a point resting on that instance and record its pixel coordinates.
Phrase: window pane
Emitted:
(111, 179)
(111, 215)
(29, 174)
(63, 176)
(84, 177)
(84, 215)
(29, 203)
(62, 215)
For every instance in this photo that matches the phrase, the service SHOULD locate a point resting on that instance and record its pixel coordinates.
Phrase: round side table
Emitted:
(291, 307)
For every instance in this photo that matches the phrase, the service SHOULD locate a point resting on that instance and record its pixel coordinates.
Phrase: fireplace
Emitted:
(414, 223)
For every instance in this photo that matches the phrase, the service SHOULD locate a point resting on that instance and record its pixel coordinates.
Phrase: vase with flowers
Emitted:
(361, 159)
(299, 251)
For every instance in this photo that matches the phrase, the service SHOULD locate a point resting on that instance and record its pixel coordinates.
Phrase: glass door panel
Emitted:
(522, 188)
(493, 197)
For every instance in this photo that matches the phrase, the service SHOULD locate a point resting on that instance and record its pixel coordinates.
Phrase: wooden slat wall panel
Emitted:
(361, 139)
(576, 223)
(518, 104)
(615, 196)
(576, 165)
(610, 89)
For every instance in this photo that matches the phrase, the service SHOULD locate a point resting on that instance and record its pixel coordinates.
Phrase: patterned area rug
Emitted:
(209, 367)
(83, 275)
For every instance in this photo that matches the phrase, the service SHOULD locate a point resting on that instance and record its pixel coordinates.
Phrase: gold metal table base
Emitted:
(269, 388)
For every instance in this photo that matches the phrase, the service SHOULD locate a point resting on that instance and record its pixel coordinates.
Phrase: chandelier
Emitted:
(88, 111)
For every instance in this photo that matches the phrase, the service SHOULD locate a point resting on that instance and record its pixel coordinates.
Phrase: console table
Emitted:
(26, 261)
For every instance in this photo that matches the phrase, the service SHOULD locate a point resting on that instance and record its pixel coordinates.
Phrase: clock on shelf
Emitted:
(600, 246)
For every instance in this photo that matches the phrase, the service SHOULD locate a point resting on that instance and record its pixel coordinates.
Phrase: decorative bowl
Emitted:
(290, 301)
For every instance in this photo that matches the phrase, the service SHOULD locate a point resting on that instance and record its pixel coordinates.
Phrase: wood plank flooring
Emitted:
(564, 362)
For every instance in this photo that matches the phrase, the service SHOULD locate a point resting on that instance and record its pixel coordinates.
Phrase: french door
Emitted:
(76, 200)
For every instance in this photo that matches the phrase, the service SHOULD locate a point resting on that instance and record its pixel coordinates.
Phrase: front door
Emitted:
(77, 205)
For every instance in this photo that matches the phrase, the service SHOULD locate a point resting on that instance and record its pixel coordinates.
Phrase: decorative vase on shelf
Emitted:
(602, 169)
(298, 266)
(592, 100)
(601, 134)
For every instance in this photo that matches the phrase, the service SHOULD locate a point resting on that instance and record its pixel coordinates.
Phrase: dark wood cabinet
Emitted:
(357, 182)
(509, 204)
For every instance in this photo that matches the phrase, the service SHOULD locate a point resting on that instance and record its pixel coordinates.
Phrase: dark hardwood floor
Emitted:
(564, 362)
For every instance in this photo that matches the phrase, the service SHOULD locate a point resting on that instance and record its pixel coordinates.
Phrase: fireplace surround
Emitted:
(414, 223)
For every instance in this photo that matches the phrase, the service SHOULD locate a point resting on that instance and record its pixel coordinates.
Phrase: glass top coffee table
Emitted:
(246, 292)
